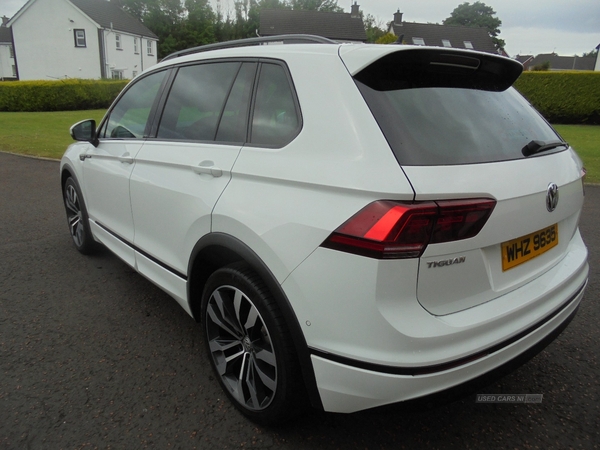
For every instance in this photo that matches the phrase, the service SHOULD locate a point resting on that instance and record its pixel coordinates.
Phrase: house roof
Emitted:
(337, 26)
(434, 34)
(565, 62)
(524, 58)
(5, 34)
(104, 13)
(109, 15)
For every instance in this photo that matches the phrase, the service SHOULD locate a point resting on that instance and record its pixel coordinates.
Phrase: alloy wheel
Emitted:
(74, 215)
(241, 348)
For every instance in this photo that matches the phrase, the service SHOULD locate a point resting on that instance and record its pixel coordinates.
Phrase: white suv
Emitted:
(353, 225)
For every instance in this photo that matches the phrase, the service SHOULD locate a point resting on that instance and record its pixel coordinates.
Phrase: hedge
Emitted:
(563, 97)
(62, 95)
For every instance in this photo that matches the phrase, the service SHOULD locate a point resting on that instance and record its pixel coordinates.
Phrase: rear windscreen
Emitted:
(447, 114)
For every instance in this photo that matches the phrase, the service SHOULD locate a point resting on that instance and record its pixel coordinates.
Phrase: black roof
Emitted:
(433, 34)
(109, 15)
(337, 26)
(565, 62)
(5, 34)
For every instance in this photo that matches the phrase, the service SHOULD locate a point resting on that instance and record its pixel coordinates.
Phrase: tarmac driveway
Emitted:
(94, 356)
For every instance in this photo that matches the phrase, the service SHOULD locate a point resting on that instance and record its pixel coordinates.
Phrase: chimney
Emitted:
(355, 12)
(4, 20)
(398, 18)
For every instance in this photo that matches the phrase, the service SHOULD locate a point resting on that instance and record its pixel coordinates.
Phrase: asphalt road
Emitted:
(94, 356)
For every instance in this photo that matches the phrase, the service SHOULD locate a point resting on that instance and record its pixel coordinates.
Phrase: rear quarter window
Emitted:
(276, 116)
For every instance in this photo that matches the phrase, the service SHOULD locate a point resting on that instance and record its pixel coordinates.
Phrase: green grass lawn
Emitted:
(47, 134)
(41, 133)
(585, 139)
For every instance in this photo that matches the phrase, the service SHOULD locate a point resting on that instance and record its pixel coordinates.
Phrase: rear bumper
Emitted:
(348, 388)
(373, 344)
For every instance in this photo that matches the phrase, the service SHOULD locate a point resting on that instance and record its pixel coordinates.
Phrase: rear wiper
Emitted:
(541, 146)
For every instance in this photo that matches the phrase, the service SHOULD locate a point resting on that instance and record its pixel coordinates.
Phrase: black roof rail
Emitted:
(284, 38)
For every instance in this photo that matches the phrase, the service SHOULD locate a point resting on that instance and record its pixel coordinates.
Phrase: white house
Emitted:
(8, 67)
(79, 39)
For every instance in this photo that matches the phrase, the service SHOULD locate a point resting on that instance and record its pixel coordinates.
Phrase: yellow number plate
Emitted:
(527, 247)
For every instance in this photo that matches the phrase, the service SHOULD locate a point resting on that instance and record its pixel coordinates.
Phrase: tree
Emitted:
(316, 5)
(477, 14)
(200, 22)
(373, 27)
(179, 24)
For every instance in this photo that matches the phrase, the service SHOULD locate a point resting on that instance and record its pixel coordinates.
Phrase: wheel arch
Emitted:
(66, 171)
(218, 250)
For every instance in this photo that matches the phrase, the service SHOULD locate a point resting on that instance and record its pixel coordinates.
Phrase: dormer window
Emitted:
(446, 43)
(418, 41)
(468, 44)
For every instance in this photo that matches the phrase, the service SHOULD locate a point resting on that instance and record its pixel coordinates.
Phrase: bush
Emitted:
(389, 38)
(563, 97)
(545, 66)
(62, 95)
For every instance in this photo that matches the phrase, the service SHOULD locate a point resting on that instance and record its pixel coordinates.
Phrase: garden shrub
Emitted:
(61, 95)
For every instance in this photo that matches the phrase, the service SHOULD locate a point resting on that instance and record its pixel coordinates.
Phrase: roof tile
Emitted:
(433, 34)
(337, 26)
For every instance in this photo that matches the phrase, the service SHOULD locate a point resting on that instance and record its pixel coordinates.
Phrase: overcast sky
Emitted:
(566, 27)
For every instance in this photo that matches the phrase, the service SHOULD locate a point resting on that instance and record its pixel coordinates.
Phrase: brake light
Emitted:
(394, 230)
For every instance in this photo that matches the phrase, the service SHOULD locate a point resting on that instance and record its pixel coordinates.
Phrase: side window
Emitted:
(234, 120)
(129, 117)
(275, 121)
(79, 37)
(196, 101)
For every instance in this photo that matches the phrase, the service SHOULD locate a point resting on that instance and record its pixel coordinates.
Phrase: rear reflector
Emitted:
(393, 230)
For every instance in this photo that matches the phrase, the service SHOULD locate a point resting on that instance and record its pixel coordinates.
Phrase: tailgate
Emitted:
(457, 275)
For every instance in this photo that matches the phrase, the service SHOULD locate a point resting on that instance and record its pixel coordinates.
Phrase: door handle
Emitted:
(208, 168)
(126, 158)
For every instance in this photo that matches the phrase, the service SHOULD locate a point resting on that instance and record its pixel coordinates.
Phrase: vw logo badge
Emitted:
(552, 197)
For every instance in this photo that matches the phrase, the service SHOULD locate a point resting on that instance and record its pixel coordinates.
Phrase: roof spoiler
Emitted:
(411, 68)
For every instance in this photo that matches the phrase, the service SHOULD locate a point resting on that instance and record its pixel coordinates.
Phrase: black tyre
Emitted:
(249, 346)
(77, 218)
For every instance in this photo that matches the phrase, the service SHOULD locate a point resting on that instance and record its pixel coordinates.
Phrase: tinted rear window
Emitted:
(440, 114)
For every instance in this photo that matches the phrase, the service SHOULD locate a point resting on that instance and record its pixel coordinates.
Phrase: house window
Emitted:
(468, 44)
(116, 74)
(446, 43)
(149, 47)
(134, 74)
(118, 41)
(418, 41)
(79, 38)
(135, 46)
(14, 69)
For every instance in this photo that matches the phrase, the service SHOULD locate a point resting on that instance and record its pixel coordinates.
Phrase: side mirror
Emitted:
(85, 131)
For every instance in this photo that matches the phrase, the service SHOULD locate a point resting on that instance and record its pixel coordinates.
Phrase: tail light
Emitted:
(393, 230)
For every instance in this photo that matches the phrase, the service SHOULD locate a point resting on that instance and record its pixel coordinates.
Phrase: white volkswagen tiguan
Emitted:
(353, 225)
